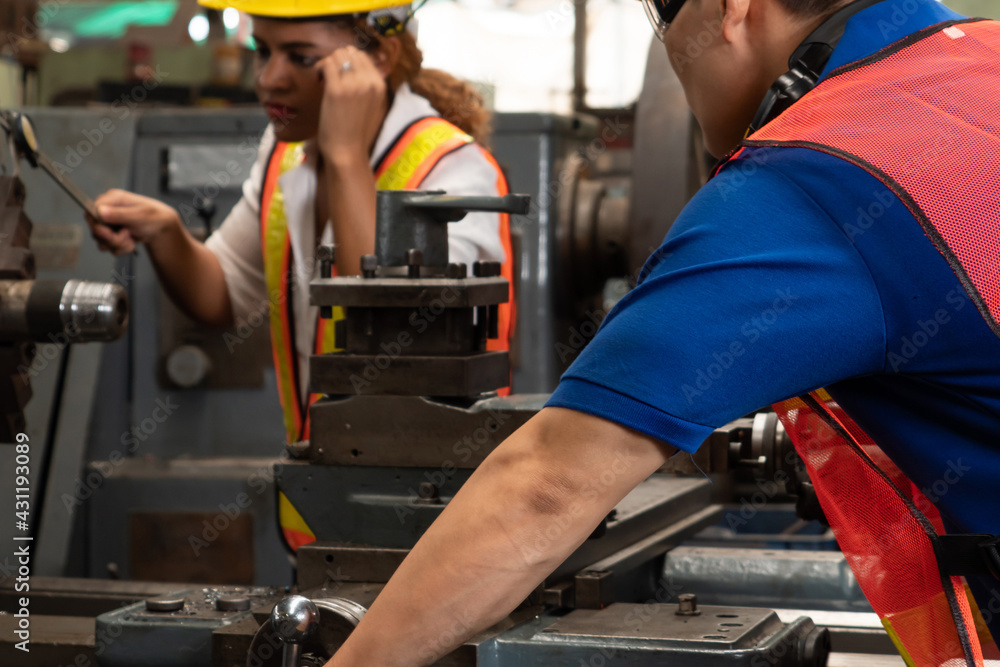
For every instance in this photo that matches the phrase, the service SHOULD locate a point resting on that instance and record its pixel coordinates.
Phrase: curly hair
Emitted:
(456, 100)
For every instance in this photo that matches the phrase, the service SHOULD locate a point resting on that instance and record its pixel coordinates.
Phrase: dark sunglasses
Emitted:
(661, 13)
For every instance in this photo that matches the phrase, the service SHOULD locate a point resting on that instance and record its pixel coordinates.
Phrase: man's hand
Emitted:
(141, 219)
(354, 104)
(522, 513)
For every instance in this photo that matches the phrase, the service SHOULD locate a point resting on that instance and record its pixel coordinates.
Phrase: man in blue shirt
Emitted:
(793, 269)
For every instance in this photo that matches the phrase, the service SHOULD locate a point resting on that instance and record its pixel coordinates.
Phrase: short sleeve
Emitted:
(468, 172)
(236, 243)
(755, 296)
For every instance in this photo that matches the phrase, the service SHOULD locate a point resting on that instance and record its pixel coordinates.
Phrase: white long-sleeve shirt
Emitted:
(237, 241)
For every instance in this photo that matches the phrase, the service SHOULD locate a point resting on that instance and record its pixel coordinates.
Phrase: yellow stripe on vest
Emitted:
(276, 262)
(898, 643)
(417, 157)
(397, 175)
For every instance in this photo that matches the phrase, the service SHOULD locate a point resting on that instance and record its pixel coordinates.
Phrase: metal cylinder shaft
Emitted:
(66, 311)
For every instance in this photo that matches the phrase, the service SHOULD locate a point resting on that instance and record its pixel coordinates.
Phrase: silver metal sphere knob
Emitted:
(293, 618)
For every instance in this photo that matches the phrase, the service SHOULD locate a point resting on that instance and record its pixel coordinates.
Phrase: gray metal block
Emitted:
(533, 149)
(411, 375)
(371, 506)
(406, 293)
(767, 578)
(225, 490)
(652, 635)
(366, 430)
(170, 638)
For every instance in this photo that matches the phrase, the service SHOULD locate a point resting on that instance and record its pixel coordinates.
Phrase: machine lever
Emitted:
(26, 143)
(293, 619)
(451, 208)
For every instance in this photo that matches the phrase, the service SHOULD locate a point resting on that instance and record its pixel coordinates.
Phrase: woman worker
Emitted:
(351, 111)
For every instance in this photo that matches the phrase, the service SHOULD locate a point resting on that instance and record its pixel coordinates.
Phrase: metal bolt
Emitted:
(456, 271)
(235, 602)
(326, 254)
(428, 491)
(369, 263)
(687, 605)
(165, 603)
(414, 259)
(479, 269)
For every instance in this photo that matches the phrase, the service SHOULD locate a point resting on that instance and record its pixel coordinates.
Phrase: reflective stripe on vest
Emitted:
(922, 117)
(421, 146)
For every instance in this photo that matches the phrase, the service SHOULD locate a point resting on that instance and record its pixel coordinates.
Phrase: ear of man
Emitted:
(734, 15)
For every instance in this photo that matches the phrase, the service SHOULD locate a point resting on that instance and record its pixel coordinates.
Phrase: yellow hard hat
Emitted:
(293, 9)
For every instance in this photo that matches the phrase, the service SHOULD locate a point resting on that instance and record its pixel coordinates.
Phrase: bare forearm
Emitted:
(351, 193)
(533, 502)
(191, 276)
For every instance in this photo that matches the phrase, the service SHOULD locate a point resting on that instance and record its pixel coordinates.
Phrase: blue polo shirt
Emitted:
(794, 270)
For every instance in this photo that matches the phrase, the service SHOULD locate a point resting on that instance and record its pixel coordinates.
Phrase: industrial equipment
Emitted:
(39, 311)
(176, 546)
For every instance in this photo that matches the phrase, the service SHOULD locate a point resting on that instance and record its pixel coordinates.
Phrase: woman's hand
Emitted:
(141, 219)
(354, 104)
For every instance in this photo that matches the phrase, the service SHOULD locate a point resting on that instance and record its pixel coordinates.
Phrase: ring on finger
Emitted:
(347, 66)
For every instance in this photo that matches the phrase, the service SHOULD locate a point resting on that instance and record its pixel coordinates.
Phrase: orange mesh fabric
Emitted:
(885, 538)
(923, 117)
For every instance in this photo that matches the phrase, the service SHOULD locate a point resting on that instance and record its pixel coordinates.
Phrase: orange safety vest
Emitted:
(405, 166)
(922, 116)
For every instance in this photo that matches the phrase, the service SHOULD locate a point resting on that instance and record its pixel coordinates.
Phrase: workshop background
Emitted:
(157, 458)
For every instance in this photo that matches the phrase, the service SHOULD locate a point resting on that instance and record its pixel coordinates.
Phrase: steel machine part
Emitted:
(25, 139)
(77, 310)
(308, 631)
(669, 162)
(645, 635)
(292, 619)
(43, 311)
(385, 458)
(398, 433)
(176, 628)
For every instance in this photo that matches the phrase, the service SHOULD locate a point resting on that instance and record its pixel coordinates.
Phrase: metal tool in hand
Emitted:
(26, 143)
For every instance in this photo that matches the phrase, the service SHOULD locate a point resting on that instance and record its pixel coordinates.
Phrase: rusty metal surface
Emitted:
(64, 596)
(55, 640)
(94, 587)
(16, 263)
(322, 563)
(365, 374)
(709, 629)
(231, 643)
(595, 587)
(407, 293)
(414, 431)
(161, 547)
(393, 332)
(654, 505)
